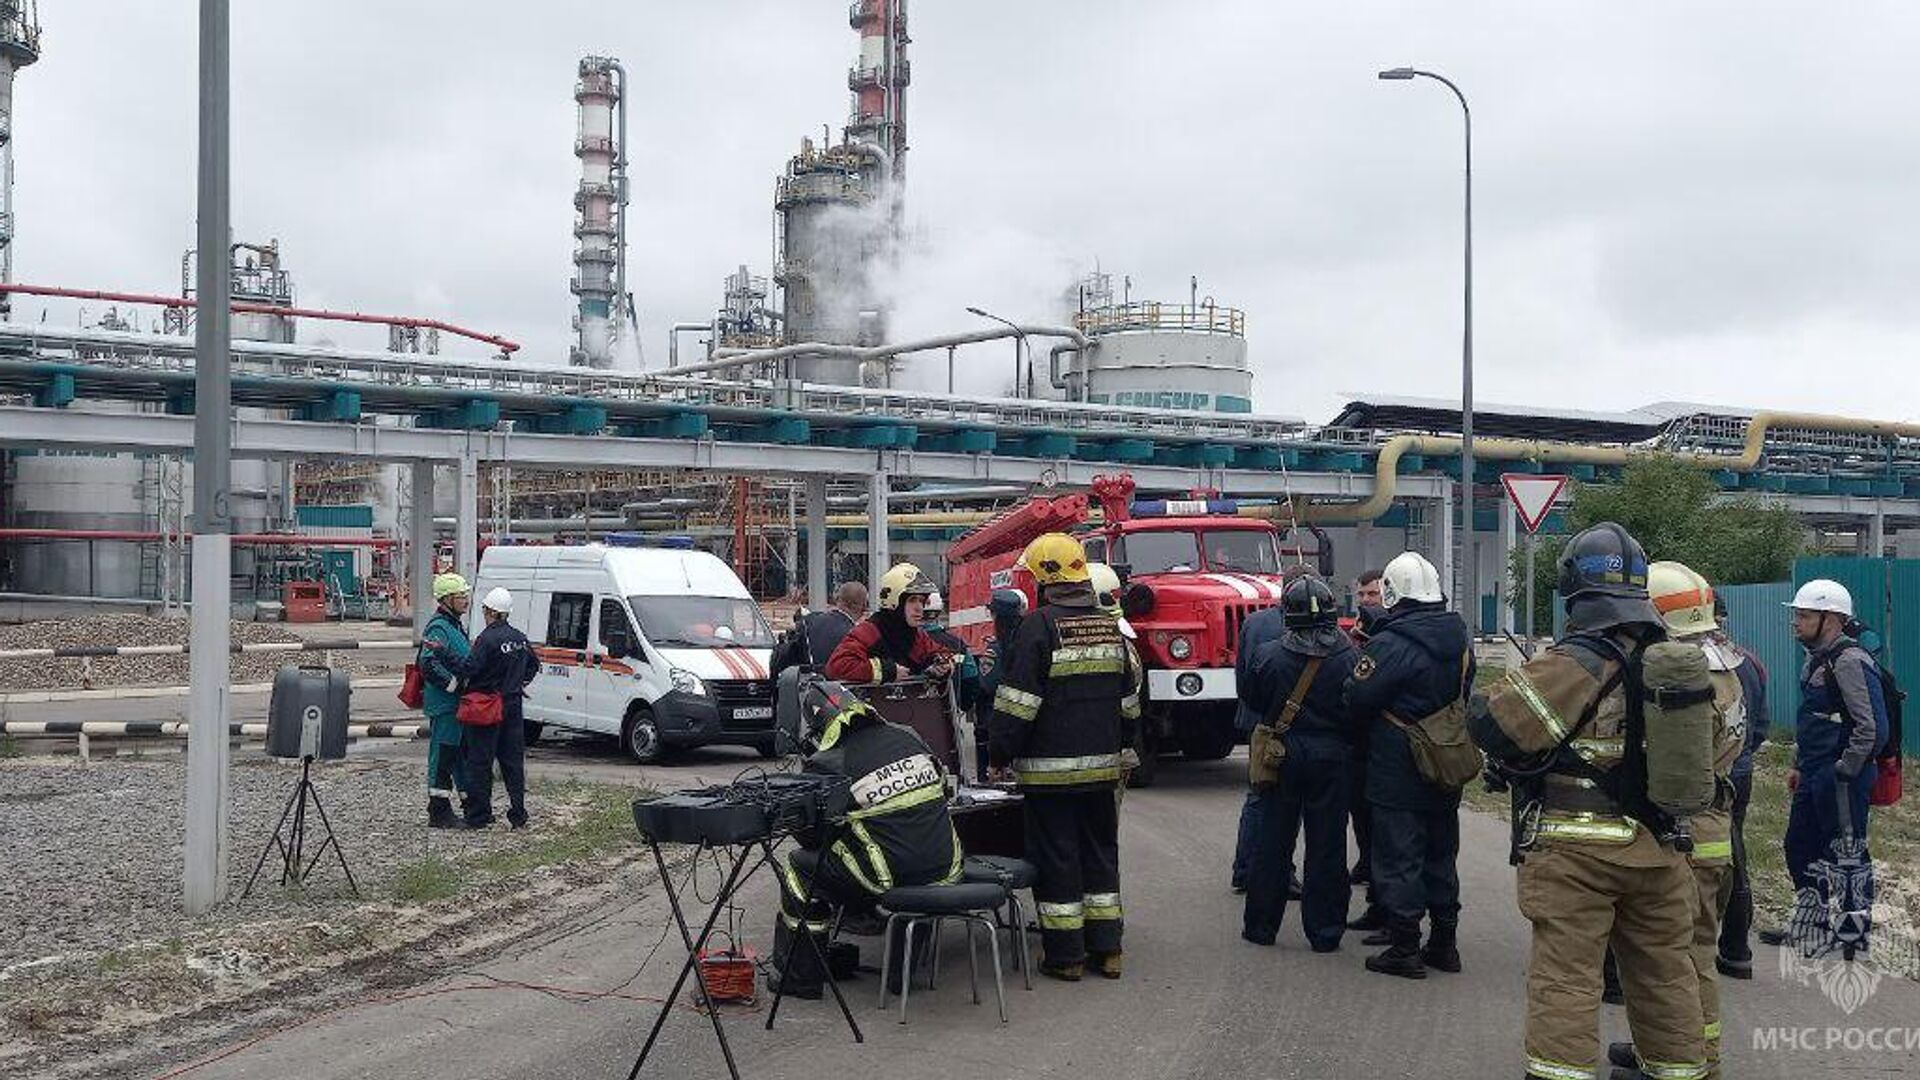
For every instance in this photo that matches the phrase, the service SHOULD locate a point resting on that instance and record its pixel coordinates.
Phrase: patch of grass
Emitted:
(10, 747)
(601, 822)
(432, 878)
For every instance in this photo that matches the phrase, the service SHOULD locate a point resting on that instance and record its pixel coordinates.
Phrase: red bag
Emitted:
(1887, 785)
(480, 708)
(413, 688)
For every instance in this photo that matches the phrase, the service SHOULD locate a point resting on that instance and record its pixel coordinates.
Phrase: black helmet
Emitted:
(1604, 561)
(810, 710)
(1308, 602)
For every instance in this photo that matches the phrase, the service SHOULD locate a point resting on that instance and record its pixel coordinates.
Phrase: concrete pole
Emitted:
(422, 545)
(1877, 532)
(1509, 526)
(816, 542)
(1447, 565)
(879, 545)
(466, 535)
(204, 881)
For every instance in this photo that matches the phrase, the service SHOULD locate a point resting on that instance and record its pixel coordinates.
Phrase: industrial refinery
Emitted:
(770, 430)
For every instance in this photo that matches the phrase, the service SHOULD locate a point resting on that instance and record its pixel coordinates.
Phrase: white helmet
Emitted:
(1821, 594)
(498, 599)
(935, 605)
(1410, 577)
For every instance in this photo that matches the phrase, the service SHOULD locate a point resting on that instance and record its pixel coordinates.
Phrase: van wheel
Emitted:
(532, 731)
(641, 737)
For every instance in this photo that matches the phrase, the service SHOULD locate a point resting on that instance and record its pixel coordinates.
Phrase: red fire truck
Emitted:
(1193, 570)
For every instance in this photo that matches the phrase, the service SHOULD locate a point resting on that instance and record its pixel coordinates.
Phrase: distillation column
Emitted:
(599, 258)
(19, 46)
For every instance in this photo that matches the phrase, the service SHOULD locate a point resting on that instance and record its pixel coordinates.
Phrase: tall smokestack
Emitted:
(19, 46)
(879, 79)
(600, 259)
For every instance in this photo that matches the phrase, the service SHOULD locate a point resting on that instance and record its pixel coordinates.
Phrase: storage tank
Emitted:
(1167, 356)
(96, 492)
(834, 230)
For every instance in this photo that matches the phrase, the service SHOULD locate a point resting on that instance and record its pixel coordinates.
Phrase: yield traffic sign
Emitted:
(1532, 495)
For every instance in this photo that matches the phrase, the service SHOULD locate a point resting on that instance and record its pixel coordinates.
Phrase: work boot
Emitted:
(1622, 1055)
(1442, 952)
(1107, 964)
(1402, 956)
(440, 814)
(1072, 972)
(1382, 936)
(1374, 918)
(1733, 969)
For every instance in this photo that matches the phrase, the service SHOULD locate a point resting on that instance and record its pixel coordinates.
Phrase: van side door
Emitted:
(563, 660)
(615, 658)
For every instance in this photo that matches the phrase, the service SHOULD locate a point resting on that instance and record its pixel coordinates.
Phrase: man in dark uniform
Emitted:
(900, 833)
(1367, 611)
(1262, 626)
(500, 662)
(1419, 660)
(816, 634)
(1294, 685)
(1066, 707)
(1007, 607)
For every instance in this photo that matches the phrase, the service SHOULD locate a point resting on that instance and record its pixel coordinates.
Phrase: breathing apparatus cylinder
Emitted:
(1678, 695)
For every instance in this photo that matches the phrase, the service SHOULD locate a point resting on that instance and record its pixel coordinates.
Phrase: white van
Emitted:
(662, 647)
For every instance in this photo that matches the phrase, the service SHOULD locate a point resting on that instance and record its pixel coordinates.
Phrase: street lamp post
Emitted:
(204, 882)
(1469, 602)
(1020, 346)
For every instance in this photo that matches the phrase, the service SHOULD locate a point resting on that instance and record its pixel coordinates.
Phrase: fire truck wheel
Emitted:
(1207, 738)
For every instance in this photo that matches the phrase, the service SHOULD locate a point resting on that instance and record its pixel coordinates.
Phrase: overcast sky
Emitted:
(1716, 202)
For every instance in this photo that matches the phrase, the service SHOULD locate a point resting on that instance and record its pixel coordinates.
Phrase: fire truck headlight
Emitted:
(1188, 684)
(1180, 648)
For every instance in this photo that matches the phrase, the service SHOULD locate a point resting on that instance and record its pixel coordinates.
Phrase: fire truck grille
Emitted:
(1235, 615)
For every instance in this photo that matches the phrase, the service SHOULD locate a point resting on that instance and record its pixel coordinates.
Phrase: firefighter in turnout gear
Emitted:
(1685, 602)
(1569, 733)
(1418, 664)
(897, 832)
(1066, 706)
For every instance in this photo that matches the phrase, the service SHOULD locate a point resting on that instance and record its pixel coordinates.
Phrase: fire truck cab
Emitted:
(1194, 570)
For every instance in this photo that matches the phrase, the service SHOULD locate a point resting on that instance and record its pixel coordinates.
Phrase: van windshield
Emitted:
(701, 622)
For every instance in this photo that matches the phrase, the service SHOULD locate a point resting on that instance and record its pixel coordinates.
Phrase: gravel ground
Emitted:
(94, 850)
(165, 670)
(98, 951)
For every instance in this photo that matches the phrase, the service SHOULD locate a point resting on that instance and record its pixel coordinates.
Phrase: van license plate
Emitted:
(754, 712)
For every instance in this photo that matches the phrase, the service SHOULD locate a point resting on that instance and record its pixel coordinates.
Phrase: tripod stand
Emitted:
(294, 869)
(761, 852)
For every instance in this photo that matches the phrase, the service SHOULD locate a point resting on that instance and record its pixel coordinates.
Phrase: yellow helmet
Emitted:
(901, 582)
(1055, 559)
(449, 584)
(1683, 598)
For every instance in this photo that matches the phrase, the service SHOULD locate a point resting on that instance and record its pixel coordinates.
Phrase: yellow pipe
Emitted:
(1385, 476)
